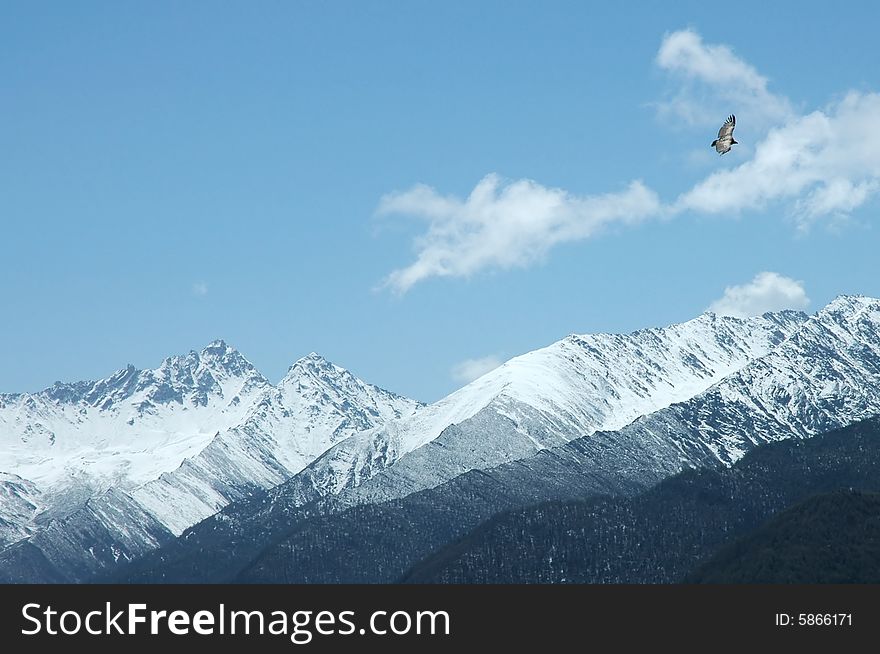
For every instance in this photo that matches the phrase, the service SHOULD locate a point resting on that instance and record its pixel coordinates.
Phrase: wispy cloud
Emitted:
(468, 370)
(827, 162)
(768, 291)
(199, 289)
(505, 224)
(712, 80)
(824, 164)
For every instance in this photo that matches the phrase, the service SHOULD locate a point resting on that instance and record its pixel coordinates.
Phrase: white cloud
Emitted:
(468, 370)
(200, 289)
(822, 165)
(714, 81)
(828, 162)
(768, 291)
(503, 225)
(838, 196)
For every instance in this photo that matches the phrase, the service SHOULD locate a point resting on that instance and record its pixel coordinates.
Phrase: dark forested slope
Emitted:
(664, 533)
(832, 538)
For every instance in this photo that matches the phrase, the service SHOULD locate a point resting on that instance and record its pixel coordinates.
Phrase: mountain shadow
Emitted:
(661, 535)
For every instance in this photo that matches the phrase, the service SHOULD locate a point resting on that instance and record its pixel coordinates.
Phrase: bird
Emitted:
(725, 140)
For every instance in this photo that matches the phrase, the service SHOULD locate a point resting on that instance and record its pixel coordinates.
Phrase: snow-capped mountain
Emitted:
(826, 374)
(550, 396)
(596, 411)
(130, 427)
(73, 441)
(316, 405)
(180, 441)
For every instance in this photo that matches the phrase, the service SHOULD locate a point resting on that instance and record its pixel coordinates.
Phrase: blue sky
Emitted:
(295, 176)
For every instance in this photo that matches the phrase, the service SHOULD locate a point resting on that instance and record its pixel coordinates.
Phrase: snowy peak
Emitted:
(312, 367)
(186, 437)
(847, 327)
(129, 427)
(824, 376)
(850, 301)
(217, 356)
(545, 398)
(710, 327)
(188, 378)
(316, 405)
(700, 391)
(845, 334)
(225, 360)
(851, 312)
(320, 382)
(216, 370)
(603, 381)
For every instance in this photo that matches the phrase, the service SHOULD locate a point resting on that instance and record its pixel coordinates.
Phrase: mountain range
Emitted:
(106, 470)
(202, 470)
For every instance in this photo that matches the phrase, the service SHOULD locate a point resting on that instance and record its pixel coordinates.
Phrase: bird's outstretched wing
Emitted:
(726, 130)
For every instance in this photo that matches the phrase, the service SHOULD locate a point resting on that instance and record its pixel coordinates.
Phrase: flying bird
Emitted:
(725, 136)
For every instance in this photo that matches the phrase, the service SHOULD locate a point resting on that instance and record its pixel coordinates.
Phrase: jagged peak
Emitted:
(710, 316)
(117, 377)
(217, 355)
(851, 301)
(312, 359)
(706, 318)
(313, 369)
(218, 346)
(127, 371)
(228, 356)
(312, 365)
(847, 310)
